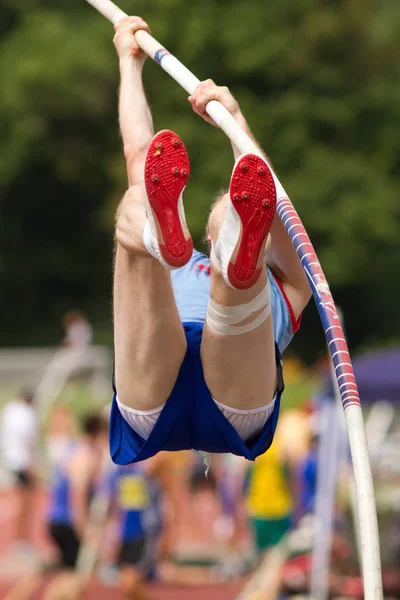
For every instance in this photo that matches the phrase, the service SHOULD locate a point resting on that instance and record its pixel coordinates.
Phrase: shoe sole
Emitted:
(253, 196)
(166, 172)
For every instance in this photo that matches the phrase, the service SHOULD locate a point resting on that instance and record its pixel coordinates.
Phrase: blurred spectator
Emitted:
(59, 435)
(18, 438)
(137, 494)
(307, 479)
(232, 524)
(75, 480)
(294, 434)
(268, 499)
(78, 331)
(204, 500)
(177, 470)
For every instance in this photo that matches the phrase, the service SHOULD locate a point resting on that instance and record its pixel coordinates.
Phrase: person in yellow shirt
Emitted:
(268, 499)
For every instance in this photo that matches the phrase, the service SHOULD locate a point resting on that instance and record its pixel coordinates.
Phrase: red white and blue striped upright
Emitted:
(326, 307)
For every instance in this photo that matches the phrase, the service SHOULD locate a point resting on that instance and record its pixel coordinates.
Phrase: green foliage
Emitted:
(318, 82)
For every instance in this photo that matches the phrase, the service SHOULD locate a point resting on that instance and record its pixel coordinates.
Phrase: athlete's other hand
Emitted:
(207, 91)
(124, 39)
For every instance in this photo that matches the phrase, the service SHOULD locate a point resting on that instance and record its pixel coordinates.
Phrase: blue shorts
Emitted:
(190, 418)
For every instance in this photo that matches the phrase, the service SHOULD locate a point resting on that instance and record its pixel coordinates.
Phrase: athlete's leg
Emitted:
(149, 339)
(26, 493)
(131, 583)
(240, 368)
(152, 237)
(67, 585)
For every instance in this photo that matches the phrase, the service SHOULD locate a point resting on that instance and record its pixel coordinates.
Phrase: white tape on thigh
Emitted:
(225, 319)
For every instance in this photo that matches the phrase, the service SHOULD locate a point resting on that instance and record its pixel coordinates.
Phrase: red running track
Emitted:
(97, 591)
(10, 572)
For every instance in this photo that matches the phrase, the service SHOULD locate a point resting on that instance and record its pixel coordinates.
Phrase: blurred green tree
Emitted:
(318, 82)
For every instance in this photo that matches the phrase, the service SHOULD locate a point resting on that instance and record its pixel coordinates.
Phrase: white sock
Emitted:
(150, 242)
(215, 254)
(228, 236)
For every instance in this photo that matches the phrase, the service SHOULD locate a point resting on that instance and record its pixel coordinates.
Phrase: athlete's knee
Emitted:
(124, 218)
(216, 217)
(131, 583)
(236, 320)
(129, 217)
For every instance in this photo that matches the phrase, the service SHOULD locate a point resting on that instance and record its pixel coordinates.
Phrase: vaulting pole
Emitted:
(326, 307)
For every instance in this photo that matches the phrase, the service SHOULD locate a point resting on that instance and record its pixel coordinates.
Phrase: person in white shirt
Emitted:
(18, 440)
(78, 331)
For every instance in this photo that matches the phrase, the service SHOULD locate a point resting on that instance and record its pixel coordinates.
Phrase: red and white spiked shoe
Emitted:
(247, 222)
(166, 172)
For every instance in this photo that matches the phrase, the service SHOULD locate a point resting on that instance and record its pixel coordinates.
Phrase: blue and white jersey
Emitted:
(191, 285)
(60, 508)
(138, 500)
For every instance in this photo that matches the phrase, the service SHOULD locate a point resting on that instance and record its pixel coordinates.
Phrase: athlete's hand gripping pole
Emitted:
(185, 78)
(323, 298)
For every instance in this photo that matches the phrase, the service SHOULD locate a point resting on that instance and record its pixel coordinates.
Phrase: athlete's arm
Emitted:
(135, 118)
(161, 468)
(280, 254)
(79, 472)
(207, 91)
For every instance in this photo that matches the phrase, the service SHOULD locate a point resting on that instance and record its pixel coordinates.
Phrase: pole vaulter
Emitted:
(337, 345)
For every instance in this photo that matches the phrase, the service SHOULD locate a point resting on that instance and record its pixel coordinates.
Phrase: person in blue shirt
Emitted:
(137, 493)
(307, 474)
(74, 480)
(198, 340)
